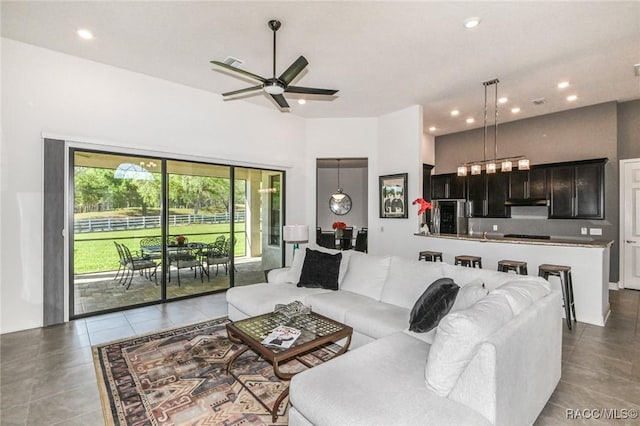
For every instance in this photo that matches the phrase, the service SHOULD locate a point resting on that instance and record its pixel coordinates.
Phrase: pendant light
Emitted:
(340, 203)
(491, 165)
(338, 195)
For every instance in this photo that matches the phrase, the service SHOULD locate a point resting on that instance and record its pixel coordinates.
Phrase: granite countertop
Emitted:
(497, 238)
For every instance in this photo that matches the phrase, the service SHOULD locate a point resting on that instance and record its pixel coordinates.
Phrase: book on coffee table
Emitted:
(282, 336)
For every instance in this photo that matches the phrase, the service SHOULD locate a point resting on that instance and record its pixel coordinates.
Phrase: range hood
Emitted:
(526, 202)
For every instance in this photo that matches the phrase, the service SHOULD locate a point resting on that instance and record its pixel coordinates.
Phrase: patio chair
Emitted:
(185, 257)
(218, 254)
(151, 247)
(139, 264)
(122, 262)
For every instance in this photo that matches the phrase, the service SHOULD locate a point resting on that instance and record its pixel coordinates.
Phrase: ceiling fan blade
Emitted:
(238, 70)
(310, 90)
(248, 89)
(280, 100)
(293, 70)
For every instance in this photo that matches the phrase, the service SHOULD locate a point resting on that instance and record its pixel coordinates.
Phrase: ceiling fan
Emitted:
(276, 86)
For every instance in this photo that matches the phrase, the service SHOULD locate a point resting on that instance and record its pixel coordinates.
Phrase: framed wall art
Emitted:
(393, 196)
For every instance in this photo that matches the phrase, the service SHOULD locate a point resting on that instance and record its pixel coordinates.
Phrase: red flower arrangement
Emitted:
(339, 225)
(180, 239)
(424, 205)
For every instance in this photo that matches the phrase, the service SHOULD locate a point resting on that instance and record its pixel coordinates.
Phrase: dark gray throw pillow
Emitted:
(433, 305)
(320, 270)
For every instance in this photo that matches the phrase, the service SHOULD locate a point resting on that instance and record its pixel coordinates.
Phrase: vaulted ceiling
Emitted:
(383, 56)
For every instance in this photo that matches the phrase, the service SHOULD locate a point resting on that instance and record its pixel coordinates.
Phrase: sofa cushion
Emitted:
(377, 320)
(433, 304)
(320, 270)
(469, 294)
(521, 294)
(335, 304)
(298, 262)
(458, 336)
(491, 279)
(408, 279)
(376, 384)
(258, 299)
(366, 274)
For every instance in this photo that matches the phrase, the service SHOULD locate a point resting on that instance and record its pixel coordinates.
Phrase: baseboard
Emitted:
(615, 286)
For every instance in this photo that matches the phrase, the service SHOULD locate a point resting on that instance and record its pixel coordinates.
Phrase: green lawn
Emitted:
(95, 251)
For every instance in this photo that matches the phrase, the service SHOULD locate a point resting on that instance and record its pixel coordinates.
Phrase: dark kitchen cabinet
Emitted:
(477, 195)
(497, 193)
(528, 184)
(577, 190)
(447, 186)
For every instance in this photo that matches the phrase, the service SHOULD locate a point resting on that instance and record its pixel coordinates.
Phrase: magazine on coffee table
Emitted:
(282, 337)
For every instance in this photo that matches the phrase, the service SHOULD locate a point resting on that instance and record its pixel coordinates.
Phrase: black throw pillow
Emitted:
(433, 305)
(320, 270)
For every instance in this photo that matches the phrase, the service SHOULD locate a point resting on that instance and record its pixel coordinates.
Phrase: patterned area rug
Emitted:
(178, 377)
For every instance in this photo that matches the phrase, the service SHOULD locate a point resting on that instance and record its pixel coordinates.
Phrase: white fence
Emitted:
(142, 222)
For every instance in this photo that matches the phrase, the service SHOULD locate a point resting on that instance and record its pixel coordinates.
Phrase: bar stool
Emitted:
(566, 285)
(469, 261)
(513, 265)
(430, 256)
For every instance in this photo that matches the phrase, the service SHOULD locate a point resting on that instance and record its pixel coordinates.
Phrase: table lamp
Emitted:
(295, 234)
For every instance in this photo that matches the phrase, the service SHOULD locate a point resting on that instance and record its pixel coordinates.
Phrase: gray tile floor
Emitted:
(47, 374)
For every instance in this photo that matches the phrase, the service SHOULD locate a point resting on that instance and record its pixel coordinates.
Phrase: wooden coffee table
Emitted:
(317, 330)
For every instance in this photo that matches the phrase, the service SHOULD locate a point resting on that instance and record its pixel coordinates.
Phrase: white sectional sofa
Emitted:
(495, 362)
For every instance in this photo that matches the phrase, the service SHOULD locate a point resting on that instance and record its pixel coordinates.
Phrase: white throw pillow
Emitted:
(298, 262)
(457, 339)
(520, 294)
(469, 294)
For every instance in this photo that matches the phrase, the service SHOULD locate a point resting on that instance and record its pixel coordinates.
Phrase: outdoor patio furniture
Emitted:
(217, 254)
(122, 262)
(141, 264)
(186, 256)
(151, 247)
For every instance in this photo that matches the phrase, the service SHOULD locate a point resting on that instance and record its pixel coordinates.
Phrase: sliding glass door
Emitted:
(116, 211)
(148, 229)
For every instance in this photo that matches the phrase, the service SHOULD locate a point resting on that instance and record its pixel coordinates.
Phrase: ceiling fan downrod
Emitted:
(275, 25)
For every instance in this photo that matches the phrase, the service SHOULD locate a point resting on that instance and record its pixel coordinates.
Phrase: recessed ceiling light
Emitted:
(455, 112)
(471, 23)
(84, 34)
(302, 101)
(432, 128)
(572, 98)
(515, 110)
(503, 100)
(563, 85)
(470, 120)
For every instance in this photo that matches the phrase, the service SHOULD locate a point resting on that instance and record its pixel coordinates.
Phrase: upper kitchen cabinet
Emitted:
(526, 186)
(577, 190)
(447, 186)
(497, 192)
(477, 195)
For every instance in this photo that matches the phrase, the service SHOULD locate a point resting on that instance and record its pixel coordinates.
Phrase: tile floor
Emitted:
(47, 374)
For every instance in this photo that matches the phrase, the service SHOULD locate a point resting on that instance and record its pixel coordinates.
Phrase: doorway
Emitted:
(630, 223)
(351, 176)
(151, 229)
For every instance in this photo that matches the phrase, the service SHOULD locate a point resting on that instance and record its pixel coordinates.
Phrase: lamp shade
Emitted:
(295, 233)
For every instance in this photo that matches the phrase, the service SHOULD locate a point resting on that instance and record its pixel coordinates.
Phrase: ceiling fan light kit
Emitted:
(276, 86)
(491, 165)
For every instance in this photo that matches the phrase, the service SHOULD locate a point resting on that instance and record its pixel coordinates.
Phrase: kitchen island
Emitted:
(589, 261)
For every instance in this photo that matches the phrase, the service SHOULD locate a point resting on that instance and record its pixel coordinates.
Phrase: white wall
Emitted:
(339, 138)
(400, 150)
(47, 92)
